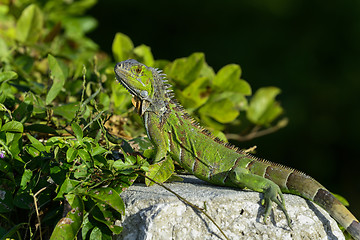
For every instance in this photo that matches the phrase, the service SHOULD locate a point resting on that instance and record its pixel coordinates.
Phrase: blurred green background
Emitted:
(309, 49)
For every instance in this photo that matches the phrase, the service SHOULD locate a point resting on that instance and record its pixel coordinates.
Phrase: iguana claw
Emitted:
(272, 194)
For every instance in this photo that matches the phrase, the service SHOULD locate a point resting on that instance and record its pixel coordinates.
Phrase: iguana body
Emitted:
(177, 135)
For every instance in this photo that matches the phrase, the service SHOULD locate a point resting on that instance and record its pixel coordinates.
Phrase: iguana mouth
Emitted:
(120, 75)
(132, 92)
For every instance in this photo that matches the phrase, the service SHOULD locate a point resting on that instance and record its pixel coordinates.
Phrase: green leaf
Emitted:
(67, 186)
(68, 227)
(96, 234)
(13, 126)
(58, 73)
(32, 151)
(160, 172)
(36, 143)
(120, 97)
(87, 227)
(144, 55)
(126, 167)
(71, 154)
(341, 199)
(228, 79)
(84, 155)
(14, 141)
(195, 94)
(77, 131)
(130, 159)
(25, 179)
(120, 165)
(58, 174)
(81, 171)
(36, 146)
(97, 151)
(122, 182)
(239, 101)
(77, 26)
(8, 75)
(23, 112)
(149, 153)
(207, 72)
(4, 50)
(122, 47)
(110, 197)
(55, 141)
(103, 214)
(67, 111)
(222, 111)
(142, 163)
(13, 230)
(185, 70)
(263, 108)
(30, 25)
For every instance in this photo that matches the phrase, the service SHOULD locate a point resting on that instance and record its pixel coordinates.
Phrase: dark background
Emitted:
(309, 49)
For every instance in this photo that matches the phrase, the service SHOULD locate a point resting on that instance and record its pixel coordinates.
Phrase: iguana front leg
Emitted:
(163, 166)
(154, 131)
(272, 193)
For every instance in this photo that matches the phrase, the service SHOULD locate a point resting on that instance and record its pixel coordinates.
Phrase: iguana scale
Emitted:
(176, 135)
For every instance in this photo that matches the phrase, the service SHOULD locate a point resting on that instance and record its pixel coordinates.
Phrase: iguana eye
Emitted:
(138, 70)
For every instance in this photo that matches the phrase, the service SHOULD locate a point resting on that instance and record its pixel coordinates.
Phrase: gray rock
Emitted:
(154, 213)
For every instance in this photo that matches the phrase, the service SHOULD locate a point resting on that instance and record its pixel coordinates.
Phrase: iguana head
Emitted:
(136, 78)
(146, 84)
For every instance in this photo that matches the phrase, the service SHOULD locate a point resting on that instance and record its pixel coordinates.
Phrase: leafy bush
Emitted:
(63, 159)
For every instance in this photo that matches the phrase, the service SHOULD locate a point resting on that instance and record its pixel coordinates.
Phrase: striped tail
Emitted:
(296, 182)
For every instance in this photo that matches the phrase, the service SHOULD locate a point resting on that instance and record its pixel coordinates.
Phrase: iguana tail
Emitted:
(296, 182)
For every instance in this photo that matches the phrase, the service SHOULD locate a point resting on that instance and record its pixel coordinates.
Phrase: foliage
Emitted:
(215, 99)
(61, 167)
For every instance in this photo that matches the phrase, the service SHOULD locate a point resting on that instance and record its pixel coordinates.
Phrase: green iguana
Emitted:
(175, 134)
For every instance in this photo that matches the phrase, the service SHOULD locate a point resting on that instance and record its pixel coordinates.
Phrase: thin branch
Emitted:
(251, 149)
(187, 202)
(256, 132)
(37, 210)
